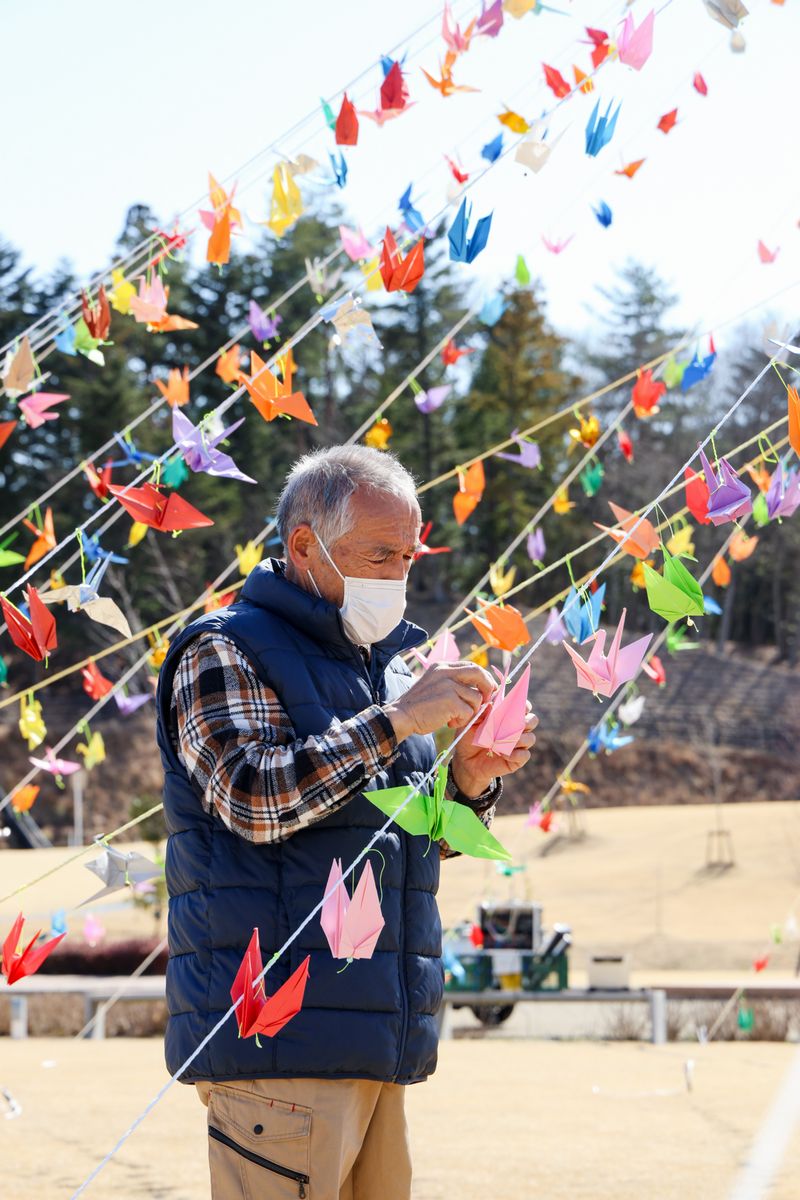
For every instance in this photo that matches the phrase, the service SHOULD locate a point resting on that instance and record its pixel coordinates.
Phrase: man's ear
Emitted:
(302, 539)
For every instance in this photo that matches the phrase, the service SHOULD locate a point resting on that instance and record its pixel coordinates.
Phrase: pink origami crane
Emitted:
(35, 408)
(454, 39)
(502, 727)
(56, 766)
(444, 650)
(354, 244)
(603, 675)
(352, 927)
(765, 254)
(555, 246)
(150, 306)
(634, 46)
(18, 963)
(728, 496)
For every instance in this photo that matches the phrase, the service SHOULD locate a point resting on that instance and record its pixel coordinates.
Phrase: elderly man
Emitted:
(274, 716)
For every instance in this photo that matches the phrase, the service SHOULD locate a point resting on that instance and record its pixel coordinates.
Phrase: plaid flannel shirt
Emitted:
(246, 763)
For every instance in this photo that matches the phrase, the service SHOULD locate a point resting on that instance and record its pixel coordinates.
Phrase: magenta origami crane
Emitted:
(728, 496)
(36, 407)
(502, 727)
(444, 650)
(603, 675)
(352, 927)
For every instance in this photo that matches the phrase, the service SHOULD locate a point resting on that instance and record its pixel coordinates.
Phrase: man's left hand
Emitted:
(474, 769)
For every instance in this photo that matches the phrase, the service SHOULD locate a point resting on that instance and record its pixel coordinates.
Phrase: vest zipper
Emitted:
(267, 1163)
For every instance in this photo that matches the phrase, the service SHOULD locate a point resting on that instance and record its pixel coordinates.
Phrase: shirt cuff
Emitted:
(479, 804)
(373, 736)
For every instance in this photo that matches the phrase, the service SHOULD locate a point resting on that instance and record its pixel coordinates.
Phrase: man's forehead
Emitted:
(389, 521)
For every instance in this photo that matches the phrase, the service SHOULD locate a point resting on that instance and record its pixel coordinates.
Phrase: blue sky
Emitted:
(119, 103)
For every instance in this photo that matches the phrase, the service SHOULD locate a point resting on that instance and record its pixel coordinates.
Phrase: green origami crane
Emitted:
(438, 818)
(674, 594)
(522, 272)
(591, 478)
(760, 510)
(677, 639)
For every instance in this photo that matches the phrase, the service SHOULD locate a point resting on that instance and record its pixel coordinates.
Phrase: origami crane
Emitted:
(444, 650)
(352, 926)
(256, 1012)
(150, 307)
(438, 818)
(401, 273)
(513, 121)
(591, 477)
(625, 444)
(423, 550)
(9, 558)
(262, 327)
(727, 12)
(600, 129)
(721, 573)
(699, 84)
(24, 798)
(493, 149)
(470, 491)
(634, 46)
(674, 594)
(605, 737)
(339, 167)
(729, 496)
(99, 481)
(272, 397)
(458, 173)
(554, 631)
(221, 221)
(561, 502)
(587, 432)
(117, 869)
(93, 750)
(31, 724)
(452, 36)
(128, 704)
(413, 218)
(603, 214)
(635, 535)
(57, 767)
(534, 151)
(45, 538)
(631, 709)
(555, 245)
(535, 546)
(601, 46)
(522, 272)
(466, 249)
(603, 674)
(556, 82)
(36, 408)
(654, 669)
(530, 456)
(350, 319)
(677, 638)
(151, 507)
(121, 293)
(489, 21)
(501, 581)
(85, 597)
(198, 445)
(500, 625)
(354, 244)
(493, 308)
(6, 430)
(96, 314)
(19, 370)
(793, 402)
(741, 546)
(428, 401)
(668, 121)
(95, 683)
(346, 128)
(447, 85)
(783, 497)
(36, 635)
(286, 205)
(582, 620)
(248, 557)
(18, 963)
(646, 393)
(503, 725)
(394, 96)
(698, 368)
(542, 818)
(630, 169)
(711, 607)
(681, 544)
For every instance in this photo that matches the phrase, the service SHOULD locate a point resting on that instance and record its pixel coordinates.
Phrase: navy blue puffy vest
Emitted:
(375, 1020)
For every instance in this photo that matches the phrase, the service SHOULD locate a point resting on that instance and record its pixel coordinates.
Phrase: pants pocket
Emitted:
(258, 1147)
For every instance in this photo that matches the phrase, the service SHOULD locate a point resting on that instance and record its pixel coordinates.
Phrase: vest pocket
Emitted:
(258, 1147)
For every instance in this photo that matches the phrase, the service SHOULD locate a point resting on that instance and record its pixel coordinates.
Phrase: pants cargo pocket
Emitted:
(258, 1148)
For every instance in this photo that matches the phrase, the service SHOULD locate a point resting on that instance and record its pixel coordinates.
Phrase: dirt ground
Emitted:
(499, 1119)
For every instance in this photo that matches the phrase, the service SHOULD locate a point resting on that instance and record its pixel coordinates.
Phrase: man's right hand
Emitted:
(447, 694)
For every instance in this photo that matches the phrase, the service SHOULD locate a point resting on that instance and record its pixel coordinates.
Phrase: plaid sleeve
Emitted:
(243, 757)
(483, 806)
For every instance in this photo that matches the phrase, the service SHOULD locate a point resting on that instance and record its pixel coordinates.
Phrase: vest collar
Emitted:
(268, 587)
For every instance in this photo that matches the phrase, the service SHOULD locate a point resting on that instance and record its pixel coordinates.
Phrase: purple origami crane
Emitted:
(262, 327)
(428, 402)
(536, 546)
(783, 495)
(129, 704)
(728, 496)
(555, 630)
(199, 450)
(529, 456)
(490, 20)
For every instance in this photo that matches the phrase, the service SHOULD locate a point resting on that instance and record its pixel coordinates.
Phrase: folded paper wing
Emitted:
(674, 594)
(398, 273)
(502, 727)
(19, 963)
(363, 920)
(444, 650)
(259, 1013)
(635, 535)
(36, 635)
(603, 674)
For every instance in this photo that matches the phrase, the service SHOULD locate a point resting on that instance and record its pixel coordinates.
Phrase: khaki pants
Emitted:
(324, 1139)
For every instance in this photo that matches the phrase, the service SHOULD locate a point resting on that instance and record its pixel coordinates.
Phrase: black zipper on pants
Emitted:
(267, 1163)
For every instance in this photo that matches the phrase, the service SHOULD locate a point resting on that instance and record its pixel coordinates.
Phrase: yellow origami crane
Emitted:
(121, 292)
(501, 581)
(371, 271)
(587, 433)
(136, 533)
(378, 436)
(681, 543)
(92, 751)
(561, 502)
(158, 650)
(287, 203)
(248, 556)
(31, 723)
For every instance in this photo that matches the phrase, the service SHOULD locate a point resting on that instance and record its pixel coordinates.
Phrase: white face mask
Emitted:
(372, 608)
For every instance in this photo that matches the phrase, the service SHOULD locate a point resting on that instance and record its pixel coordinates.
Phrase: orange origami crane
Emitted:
(98, 480)
(561, 502)
(630, 168)
(470, 491)
(167, 513)
(22, 800)
(447, 85)
(794, 418)
(583, 81)
(18, 963)
(641, 542)
(256, 1012)
(221, 221)
(176, 390)
(273, 397)
(513, 121)
(721, 574)
(500, 625)
(759, 475)
(229, 365)
(741, 546)
(401, 274)
(45, 538)
(668, 121)
(6, 430)
(646, 393)
(36, 635)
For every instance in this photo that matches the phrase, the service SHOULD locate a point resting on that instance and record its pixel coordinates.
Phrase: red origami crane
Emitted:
(346, 128)
(37, 635)
(259, 1013)
(668, 120)
(19, 963)
(423, 548)
(401, 274)
(625, 444)
(96, 314)
(95, 683)
(6, 430)
(556, 82)
(99, 481)
(168, 513)
(599, 39)
(646, 394)
(697, 496)
(451, 353)
(655, 669)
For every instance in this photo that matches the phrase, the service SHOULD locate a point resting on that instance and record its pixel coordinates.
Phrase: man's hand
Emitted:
(447, 694)
(474, 769)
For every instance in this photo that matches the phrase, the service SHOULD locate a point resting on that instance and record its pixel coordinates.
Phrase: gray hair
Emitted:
(319, 486)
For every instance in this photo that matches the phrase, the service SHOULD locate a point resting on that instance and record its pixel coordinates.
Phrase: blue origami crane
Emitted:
(583, 619)
(493, 149)
(606, 737)
(697, 370)
(603, 214)
(94, 552)
(65, 338)
(493, 309)
(133, 456)
(600, 130)
(339, 169)
(462, 248)
(387, 63)
(711, 607)
(411, 215)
